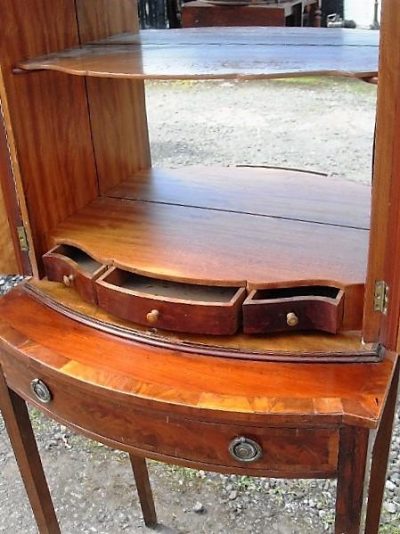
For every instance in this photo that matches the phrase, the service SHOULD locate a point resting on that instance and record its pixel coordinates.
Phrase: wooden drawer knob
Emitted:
(68, 280)
(41, 391)
(292, 319)
(153, 316)
(245, 449)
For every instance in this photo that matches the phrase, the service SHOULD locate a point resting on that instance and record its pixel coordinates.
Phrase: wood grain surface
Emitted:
(297, 346)
(216, 389)
(199, 54)
(292, 194)
(384, 252)
(54, 149)
(9, 256)
(117, 107)
(216, 247)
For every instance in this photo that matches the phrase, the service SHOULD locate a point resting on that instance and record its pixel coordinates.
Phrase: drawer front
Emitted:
(158, 311)
(292, 314)
(232, 448)
(77, 271)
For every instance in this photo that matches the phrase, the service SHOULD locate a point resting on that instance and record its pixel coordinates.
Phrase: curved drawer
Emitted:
(170, 305)
(75, 268)
(296, 308)
(116, 420)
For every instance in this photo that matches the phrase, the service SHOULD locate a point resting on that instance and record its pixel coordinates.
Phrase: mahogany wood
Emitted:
(383, 262)
(274, 311)
(298, 438)
(117, 108)
(253, 190)
(73, 268)
(139, 236)
(10, 260)
(100, 19)
(193, 54)
(180, 308)
(218, 389)
(380, 458)
(288, 452)
(141, 474)
(16, 419)
(352, 470)
(303, 346)
(55, 153)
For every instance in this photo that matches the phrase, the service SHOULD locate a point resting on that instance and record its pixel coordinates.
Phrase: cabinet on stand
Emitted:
(239, 319)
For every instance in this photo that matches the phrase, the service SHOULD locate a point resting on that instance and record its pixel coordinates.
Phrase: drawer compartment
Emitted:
(117, 420)
(295, 308)
(75, 268)
(170, 305)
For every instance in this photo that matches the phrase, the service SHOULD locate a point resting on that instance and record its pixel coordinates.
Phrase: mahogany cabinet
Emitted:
(253, 308)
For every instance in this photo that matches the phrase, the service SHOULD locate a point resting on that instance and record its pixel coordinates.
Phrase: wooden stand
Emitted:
(150, 324)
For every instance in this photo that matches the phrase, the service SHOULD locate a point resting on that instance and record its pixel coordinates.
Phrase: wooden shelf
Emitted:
(225, 53)
(295, 235)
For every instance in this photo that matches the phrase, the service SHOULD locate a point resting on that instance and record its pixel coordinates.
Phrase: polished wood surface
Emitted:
(100, 19)
(139, 236)
(352, 467)
(170, 306)
(120, 138)
(54, 149)
(385, 236)
(197, 54)
(8, 245)
(303, 452)
(304, 346)
(285, 310)
(216, 389)
(281, 193)
(380, 458)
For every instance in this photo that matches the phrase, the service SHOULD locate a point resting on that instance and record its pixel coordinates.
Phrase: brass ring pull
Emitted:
(245, 449)
(41, 391)
(153, 316)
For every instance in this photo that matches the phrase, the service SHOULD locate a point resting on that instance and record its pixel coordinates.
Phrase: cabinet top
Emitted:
(223, 53)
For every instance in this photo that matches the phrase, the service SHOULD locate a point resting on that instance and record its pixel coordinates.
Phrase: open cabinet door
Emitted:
(382, 302)
(8, 258)
(14, 244)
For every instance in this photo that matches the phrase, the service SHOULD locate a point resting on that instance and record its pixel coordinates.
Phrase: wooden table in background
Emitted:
(290, 13)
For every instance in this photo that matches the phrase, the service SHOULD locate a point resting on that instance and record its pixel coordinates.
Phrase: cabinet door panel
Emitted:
(8, 259)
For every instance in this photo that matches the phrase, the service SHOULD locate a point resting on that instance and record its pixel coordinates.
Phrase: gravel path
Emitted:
(324, 125)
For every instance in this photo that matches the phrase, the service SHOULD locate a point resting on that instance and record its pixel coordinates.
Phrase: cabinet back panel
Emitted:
(117, 107)
(49, 115)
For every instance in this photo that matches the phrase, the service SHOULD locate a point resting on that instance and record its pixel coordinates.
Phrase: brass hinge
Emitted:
(23, 239)
(381, 296)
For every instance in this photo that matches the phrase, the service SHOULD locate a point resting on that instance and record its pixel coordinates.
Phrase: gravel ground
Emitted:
(325, 125)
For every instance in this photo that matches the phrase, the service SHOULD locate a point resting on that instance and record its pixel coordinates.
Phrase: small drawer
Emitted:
(295, 308)
(170, 305)
(75, 268)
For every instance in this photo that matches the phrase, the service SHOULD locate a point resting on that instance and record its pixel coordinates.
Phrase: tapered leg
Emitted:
(23, 441)
(144, 490)
(350, 498)
(380, 459)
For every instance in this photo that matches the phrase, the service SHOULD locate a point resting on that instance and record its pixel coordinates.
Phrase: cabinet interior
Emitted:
(199, 229)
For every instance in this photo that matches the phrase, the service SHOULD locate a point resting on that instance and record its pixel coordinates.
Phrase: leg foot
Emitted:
(144, 490)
